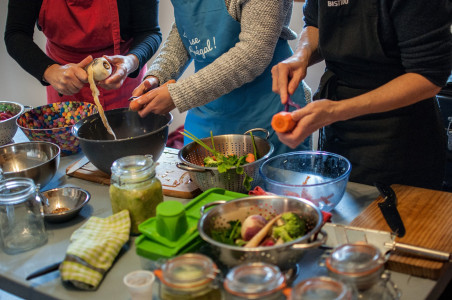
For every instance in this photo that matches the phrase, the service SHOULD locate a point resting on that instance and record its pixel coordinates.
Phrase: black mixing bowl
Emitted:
(134, 136)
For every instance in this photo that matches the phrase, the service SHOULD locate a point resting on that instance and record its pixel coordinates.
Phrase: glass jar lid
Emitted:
(355, 259)
(254, 279)
(188, 271)
(16, 190)
(322, 287)
(133, 168)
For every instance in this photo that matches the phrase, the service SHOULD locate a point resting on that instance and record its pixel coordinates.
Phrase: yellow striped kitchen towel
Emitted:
(93, 248)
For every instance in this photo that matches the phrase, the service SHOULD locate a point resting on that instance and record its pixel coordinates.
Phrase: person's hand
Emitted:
(152, 98)
(122, 67)
(149, 83)
(287, 75)
(313, 116)
(68, 79)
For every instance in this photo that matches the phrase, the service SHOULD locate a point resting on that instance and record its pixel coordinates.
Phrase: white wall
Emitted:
(17, 85)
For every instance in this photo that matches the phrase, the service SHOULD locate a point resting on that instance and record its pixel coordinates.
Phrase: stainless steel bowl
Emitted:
(36, 160)
(192, 160)
(8, 128)
(286, 255)
(63, 204)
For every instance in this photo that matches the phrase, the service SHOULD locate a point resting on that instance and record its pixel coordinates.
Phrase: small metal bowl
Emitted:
(63, 204)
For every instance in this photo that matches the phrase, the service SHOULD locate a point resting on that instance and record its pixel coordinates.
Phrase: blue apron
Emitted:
(208, 31)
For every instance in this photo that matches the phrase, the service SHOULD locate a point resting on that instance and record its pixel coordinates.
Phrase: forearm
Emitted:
(172, 59)
(18, 37)
(308, 46)
(402, 91)
(145, 31)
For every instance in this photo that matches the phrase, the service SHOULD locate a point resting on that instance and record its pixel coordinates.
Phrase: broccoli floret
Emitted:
(293, 228)
(210, 161)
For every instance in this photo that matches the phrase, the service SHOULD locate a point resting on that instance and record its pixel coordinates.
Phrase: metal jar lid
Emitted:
(253, 280)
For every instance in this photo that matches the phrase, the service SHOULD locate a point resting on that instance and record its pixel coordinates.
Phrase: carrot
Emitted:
(135, 106)
(250, 158)
(283, 122)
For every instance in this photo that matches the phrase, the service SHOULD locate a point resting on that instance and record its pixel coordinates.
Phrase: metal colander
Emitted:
(192, 156)
(286, 255)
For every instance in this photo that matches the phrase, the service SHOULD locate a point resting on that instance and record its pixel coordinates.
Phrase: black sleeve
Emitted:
(423, 36)
(310, 13)
(139, 21)
(20, 24)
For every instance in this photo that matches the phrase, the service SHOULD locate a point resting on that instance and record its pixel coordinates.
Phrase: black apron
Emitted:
(403, 146)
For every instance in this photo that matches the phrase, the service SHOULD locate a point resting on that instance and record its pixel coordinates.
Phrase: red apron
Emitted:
(77, 28)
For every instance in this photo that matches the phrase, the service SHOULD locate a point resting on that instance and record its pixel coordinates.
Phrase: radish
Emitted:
(252, 225)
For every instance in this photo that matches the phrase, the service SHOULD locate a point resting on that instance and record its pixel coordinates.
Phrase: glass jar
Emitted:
(320, 288)
(255, 281)
(134, 187)
(361, 266)
(189, 277)
(21, 215)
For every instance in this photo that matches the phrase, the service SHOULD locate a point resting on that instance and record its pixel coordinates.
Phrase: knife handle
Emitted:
(421, 251)
(43, 271)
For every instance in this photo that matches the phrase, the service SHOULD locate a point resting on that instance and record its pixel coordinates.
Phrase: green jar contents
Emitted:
(134, 187)
(189, 277)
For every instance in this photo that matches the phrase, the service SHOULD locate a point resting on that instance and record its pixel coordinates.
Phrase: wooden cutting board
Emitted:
(428, 223)
(175, 182)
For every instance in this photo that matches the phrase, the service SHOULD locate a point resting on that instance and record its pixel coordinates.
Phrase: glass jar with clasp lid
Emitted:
(321, 288)
(21, 215)
(134, 187)
(189, 276)
(361, 267)
(255, 280)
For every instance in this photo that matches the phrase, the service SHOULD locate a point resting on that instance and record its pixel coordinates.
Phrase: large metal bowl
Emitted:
(286, 255)
(36, 160)
(192, 160)
(135, 136)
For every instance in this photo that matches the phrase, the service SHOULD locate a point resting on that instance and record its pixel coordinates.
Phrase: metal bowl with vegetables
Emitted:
(9, 112)
(229, 161)
(272, 229)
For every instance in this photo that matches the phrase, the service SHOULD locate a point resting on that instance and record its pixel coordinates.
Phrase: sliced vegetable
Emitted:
(283, 122)
(250, 158)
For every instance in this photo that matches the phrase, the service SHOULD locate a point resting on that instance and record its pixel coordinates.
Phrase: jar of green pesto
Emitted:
(134, 187)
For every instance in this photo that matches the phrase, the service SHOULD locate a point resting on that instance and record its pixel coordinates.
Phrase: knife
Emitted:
(83, 161)
(48, 269)
(388, 207)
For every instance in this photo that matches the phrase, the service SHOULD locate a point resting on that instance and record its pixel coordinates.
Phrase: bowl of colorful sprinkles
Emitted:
(53, 123)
